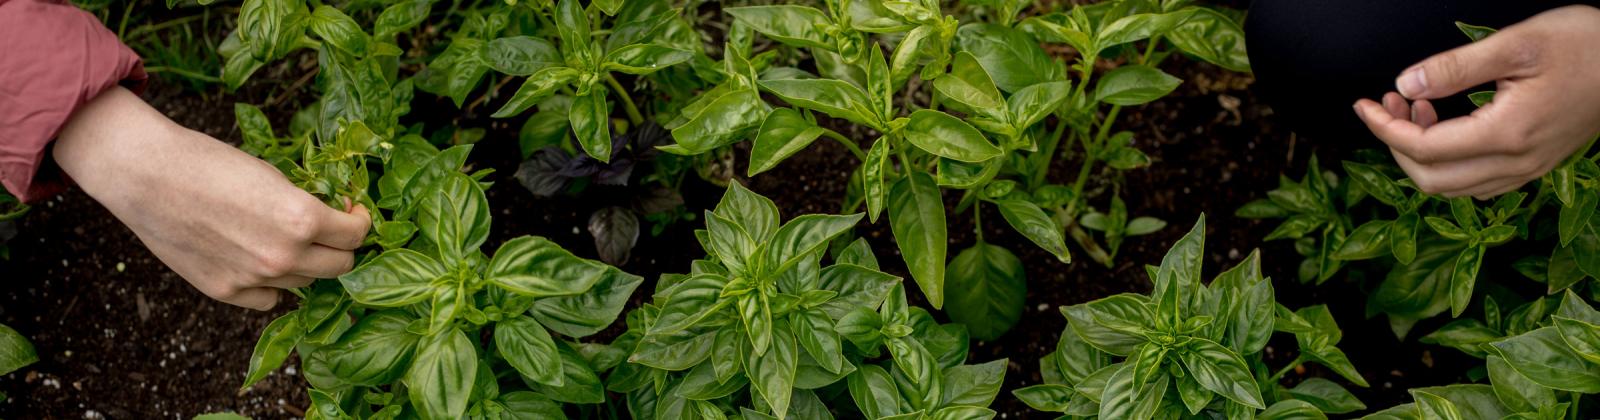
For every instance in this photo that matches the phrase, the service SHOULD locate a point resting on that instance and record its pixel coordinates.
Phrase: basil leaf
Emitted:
(783, 133)
(440, 380)
(794, 25)
(940, 134)
(528, 348)
(1134, 85)
(916, 217)
(395, 278)
(993, 286)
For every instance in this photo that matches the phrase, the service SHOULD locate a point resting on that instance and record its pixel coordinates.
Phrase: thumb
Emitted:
(1506, 54)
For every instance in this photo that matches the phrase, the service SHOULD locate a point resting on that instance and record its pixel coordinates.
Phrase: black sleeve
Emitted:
(1314, 58)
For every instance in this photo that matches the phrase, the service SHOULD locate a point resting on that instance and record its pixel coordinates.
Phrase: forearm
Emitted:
(116, 146)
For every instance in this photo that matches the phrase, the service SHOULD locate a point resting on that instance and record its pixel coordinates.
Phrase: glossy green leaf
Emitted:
(1046, 397)
(589, 312)
(1111, 324)
(783, 133)
(1222, 371)
(993, 285)
(377, 350)
(795, 25)
(536, 267)
(1134, 85)
(1011, 57)
(277, 340)
(1212, 37)
(591, 123)
(528, 348)
(942, 135)
(1515, 390)
(1032, 222)
(1326, 396)
(440, 379)
(535, 89)
(916, 217)
(968, 84)
(1543, 357)
(836, 98)
(395, 278)
(641, 59)
(338, 29)
(454, 216)
(772, 374)
(1370, 240)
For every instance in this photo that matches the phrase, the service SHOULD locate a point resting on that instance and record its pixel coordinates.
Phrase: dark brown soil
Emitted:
(138, 342)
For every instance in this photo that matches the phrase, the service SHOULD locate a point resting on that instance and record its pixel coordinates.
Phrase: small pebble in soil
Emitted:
(91, 414)
(1044, 307)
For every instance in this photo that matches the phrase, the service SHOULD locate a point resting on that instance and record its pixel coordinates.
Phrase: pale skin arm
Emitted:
(230, 224)
(1546, 106)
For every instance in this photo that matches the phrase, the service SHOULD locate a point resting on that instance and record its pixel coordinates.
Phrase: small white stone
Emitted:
(121, 267)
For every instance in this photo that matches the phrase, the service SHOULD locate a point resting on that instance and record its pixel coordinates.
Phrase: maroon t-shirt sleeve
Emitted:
(54, 58)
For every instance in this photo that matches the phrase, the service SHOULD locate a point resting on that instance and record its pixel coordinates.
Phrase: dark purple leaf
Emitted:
(615, 174)
(615, 231)
(541, 174)
(658, 199)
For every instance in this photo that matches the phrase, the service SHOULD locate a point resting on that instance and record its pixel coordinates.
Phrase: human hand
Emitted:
(230, 224)
(1546, 106)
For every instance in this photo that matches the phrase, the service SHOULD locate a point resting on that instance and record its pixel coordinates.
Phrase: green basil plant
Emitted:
(762, 329)
(1433, 248)
(1190, 349)
(986, 131)
(1541, 362)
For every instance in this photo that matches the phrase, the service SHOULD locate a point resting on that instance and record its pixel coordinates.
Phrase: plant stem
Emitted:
(122, 28)
(627, 101)
(1276, 376)
(181, 72)
(905, 161)
(1047, 154)
(854, 149)
(977, 219)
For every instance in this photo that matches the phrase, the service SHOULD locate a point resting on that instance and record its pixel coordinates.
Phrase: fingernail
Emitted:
(1412, 83)
(1357, 108)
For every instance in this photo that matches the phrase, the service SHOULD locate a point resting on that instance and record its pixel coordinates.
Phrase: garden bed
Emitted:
(140, 342)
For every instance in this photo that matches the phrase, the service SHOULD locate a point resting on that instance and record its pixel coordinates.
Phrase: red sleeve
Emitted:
(54, 58)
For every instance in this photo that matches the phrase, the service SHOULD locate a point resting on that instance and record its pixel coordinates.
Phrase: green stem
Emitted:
(854, 149)
(1276, 376)
(977, 219)
(1150, 48)
(1105, 125)
(1047, 155)
(905, 161)
(122, 28)
(184, 73)
(627, 101)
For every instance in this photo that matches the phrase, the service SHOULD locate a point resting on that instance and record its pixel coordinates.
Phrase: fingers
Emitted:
(288, 282)
(258, 298)
(1455, 139)
(1483, 176)
(1397, 106)
(319, 261)
(1423, 114)
(1505, 55)
(1492, 190)
(341, 230)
